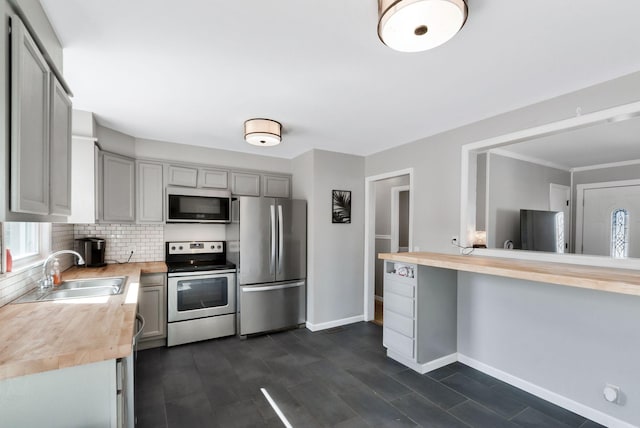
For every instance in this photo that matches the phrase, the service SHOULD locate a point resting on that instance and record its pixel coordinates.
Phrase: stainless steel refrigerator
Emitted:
(267, 240)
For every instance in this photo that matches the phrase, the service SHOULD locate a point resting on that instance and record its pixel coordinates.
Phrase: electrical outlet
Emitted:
(454, 240)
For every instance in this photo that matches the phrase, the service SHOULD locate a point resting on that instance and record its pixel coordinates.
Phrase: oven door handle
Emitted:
(272, 259)
(272, 287)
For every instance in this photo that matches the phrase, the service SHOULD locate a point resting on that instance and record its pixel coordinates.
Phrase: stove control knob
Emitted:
(212, 247)
(173, 247)
(219, 247)
(180, 247)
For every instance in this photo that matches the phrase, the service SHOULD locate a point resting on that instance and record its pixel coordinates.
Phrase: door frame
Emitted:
(370, 234)
(580, 188)
(569, 220)
(395, 216)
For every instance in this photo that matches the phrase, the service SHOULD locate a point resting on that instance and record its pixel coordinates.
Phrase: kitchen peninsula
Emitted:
(560, 331)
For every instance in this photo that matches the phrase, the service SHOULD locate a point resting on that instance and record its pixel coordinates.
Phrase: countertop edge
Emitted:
(614, 280)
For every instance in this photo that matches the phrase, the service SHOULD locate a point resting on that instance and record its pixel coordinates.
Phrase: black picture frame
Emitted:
(341, 206)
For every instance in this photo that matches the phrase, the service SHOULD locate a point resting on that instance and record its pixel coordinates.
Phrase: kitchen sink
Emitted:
(77, 288)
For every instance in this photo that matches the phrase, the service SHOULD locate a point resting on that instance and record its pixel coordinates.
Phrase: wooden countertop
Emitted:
(41, 336)
(623, 281)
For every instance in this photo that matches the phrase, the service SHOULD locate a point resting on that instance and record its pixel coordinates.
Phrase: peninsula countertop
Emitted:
(41, 336)
(615, 280)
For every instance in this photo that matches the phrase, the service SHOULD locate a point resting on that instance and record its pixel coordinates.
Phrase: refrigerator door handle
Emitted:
(280, 238)
(271, 287)
(272, 260)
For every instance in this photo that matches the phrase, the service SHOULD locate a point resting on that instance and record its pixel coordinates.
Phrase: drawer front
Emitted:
(399, 304)
(395, 287)
(397, 342)
(399, 323)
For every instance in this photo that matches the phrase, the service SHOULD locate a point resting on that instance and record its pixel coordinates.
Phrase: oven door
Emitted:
(197, 296)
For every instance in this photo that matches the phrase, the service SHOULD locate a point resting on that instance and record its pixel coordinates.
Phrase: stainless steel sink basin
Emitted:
(77, 288)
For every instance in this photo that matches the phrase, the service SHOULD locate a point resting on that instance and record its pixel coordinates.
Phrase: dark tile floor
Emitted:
(334, 378)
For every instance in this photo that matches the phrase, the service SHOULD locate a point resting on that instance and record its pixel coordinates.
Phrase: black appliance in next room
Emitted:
(201, 292)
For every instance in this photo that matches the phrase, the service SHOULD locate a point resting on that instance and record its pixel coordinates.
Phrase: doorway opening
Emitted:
(388, 229)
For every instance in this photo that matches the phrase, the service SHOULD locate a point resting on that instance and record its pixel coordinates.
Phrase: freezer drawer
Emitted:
(271, 306)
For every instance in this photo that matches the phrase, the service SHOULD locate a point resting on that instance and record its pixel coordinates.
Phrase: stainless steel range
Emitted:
(201, 292)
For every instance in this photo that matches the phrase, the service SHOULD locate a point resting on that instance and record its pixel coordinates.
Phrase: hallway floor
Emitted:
(334, 378)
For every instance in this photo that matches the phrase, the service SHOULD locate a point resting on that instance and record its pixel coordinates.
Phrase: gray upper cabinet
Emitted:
(182, 176)
(276, 186)
(118, 189)
(150, 194)
(29, 124)
(213, 178)
(245, 184)
(60, 150)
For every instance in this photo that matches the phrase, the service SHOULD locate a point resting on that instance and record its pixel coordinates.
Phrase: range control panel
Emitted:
(193, 247)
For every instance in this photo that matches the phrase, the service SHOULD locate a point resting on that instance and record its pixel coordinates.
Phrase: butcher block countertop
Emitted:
(623, 281)
(41, 336)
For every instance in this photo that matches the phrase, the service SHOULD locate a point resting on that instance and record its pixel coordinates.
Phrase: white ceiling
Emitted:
(595, 145)
(192, 71)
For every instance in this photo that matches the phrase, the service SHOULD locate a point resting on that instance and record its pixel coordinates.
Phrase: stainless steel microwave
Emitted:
(186, 205)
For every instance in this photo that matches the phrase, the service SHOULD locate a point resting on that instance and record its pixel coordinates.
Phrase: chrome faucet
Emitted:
(47, 280)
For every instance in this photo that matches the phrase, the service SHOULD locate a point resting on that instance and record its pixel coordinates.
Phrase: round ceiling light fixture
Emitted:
(419, 25)
(262, 132)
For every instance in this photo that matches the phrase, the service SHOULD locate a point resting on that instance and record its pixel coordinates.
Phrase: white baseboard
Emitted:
(545, 394)
(425, 367)
(335, 323)
(379, 299)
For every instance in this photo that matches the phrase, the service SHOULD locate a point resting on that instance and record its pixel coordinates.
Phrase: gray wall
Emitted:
(513, 185)
(436, 163)
(403, 218)
(335, 251)
(568, 340)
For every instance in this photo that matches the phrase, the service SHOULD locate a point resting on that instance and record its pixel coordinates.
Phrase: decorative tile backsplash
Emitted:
(145, 240)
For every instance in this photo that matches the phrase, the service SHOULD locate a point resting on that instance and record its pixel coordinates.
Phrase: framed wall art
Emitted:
(341, 206)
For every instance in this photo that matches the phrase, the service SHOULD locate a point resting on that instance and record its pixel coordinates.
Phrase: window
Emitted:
(28, 242)
(619, 233)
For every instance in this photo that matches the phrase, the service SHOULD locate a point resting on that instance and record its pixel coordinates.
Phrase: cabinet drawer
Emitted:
(399, 304)
(397, 287)
(399, 323)
(397, 342)
(152, 279)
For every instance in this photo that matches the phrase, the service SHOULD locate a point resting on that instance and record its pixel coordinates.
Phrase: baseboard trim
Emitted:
(334, 323)
(424, 367)
(545, 394)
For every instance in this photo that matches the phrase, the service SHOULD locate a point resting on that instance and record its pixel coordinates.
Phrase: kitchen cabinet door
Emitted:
(60, 150)
(152, 306)
(276, 186)
(213, 178)
(30, 94)
(150, 193)
(245, 184)
(182, 176)
(118, 189)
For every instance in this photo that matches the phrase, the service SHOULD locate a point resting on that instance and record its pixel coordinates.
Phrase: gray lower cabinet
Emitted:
(60, 150)
(150, 192)
(420, 315)
(276, 186)
(30, 92)
(245, 184)
(118, 189)
(152, 305)
(182, 176)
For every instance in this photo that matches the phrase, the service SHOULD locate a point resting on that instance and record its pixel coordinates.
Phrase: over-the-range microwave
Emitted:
(186, 205)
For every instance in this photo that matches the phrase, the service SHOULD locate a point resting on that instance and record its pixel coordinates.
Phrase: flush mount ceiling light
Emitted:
(419, 25)
(262, 132)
